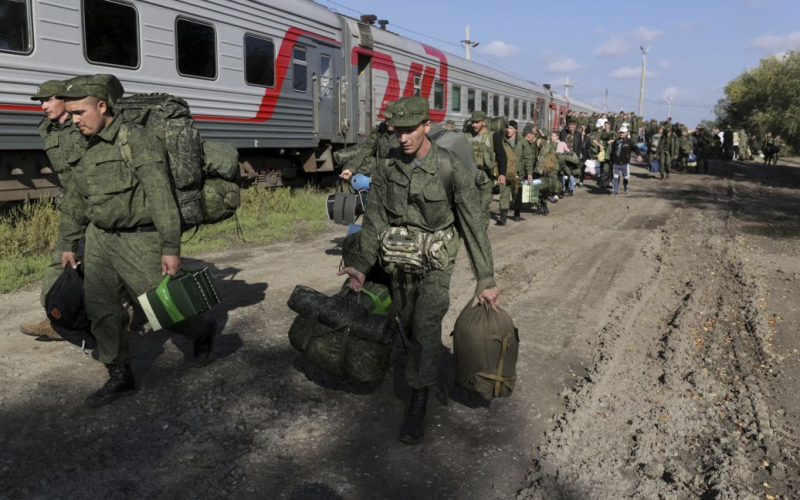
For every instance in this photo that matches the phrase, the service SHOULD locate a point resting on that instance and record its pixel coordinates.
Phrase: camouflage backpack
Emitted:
(190, 159)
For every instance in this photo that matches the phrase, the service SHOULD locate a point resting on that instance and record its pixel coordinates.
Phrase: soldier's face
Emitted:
(511, 131)
(53, 108)
(572, 127)
(478, 126)
(412, 138)
(529, 137)
(88, 114)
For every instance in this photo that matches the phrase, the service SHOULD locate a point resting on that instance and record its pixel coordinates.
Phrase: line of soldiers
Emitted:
(125, 211)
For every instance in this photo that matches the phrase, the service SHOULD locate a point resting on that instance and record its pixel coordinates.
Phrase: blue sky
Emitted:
(696, 47)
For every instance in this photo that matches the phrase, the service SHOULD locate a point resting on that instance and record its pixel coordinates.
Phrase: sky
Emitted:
(695, 46)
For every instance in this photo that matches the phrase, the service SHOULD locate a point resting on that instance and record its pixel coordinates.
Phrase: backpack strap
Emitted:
(446, 169)
(125, 147)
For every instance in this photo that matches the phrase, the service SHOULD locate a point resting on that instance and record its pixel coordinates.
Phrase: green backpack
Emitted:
(192, 161)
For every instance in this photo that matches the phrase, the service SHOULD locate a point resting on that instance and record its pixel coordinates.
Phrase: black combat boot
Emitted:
(413, 427)
(501, 221)
(517, 213)
(120, 383)
(204, 345)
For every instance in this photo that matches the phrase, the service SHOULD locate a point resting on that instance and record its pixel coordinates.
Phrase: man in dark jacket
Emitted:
(621, 151)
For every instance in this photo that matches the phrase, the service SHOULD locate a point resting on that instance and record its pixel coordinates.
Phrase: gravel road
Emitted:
(658, 359)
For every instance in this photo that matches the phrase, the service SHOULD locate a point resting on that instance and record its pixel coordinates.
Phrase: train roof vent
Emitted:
(365, 30)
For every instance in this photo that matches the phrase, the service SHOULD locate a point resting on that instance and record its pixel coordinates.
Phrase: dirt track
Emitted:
(659, 360)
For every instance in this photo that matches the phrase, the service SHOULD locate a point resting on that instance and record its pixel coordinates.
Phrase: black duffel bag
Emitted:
(66, 309)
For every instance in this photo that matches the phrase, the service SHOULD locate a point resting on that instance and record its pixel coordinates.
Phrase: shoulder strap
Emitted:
(446, 170)
(124, 135)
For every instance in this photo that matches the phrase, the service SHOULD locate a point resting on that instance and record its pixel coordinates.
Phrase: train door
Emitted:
(327, 109)
(364, 96)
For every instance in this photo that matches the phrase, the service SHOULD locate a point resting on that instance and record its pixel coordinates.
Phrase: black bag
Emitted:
(604, 180)
(66, 309)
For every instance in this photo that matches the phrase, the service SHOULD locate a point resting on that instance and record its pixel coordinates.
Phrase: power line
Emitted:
(608, 70)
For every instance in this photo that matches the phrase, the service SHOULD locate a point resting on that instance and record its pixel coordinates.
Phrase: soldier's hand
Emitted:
(68, 258)
(357, 278)
(170, 264)
(489, 295)
(346, 174)
(530, 178)
(501, 179)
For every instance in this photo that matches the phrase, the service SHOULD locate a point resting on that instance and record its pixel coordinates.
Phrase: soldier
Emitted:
(662, 149)
(519, 160)
(483, 150)
(702, 147)
(381, 141)
(412, 195)
(133, 231)
(61, 142)
(607, 137)
(685, 148)
(450, 125)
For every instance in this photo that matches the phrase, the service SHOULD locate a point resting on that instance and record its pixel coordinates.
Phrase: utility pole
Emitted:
(641, 86)
(567, 86)
(669, 106)
(605, 102)
(469, 44)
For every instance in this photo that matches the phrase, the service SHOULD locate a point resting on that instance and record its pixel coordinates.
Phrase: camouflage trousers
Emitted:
(510, 191)
(422, 301)
(484, 183)
(664, 164)
(114, 262)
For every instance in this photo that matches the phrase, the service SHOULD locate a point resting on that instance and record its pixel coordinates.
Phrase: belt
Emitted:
(146, 228)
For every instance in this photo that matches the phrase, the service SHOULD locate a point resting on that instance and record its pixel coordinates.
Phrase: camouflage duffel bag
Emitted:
(349, 335)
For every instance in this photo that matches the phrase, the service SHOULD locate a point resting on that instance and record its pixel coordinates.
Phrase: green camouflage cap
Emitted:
(409, 112)
(450, 122)
(48, 89)
(478, 116)
(104, 87)
(527, 130)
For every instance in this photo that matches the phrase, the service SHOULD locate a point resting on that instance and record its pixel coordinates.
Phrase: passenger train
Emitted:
(287, 81)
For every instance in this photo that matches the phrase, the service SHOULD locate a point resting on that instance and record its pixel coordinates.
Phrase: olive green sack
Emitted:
(485, 346)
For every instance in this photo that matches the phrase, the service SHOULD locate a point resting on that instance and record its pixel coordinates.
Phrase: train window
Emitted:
(485, 102)
(15, 26)
(438, 95)
(111, 35)
(496, 105)
(300, 69)
(417, 86)
(471, 100)
(259, 61)
(524, 110)
(506, 105)
(516, 108)
(456, 99)
(197, 49)
(326, 77)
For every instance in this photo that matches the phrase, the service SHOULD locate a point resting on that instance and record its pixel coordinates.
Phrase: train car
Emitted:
(286, 81)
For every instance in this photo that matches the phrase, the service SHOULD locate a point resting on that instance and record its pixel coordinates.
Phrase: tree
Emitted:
(765, 99)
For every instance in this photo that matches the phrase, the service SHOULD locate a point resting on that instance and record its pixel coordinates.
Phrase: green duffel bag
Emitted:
(220, 160)
(485, 346)
(219, 199)
(349, 335)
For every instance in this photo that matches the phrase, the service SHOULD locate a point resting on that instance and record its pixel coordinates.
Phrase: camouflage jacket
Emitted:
(482, 149)
(61, 141)
(113, 194)
(522, 150)
(377, 146)
(403, 194)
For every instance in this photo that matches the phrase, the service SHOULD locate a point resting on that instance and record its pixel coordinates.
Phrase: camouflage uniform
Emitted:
(132, 220)
(483, 151)
(411, 193)
(520, 166)
(62, 143)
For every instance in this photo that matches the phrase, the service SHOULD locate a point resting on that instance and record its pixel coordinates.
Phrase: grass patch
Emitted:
(29, 231)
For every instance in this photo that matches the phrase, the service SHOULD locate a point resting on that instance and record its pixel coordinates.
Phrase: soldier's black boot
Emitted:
(204, 345)
(413, 427)
(501, 221)
(120, 383)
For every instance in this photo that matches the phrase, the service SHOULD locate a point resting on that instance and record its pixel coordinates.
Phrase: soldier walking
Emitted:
(132, 228)
(483, 150)
(416, 194)
(519, 160)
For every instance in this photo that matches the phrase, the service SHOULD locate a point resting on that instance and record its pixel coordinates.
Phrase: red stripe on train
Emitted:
(19, 107)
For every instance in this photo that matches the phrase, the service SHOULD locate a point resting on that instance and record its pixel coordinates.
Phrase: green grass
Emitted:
(29, 231)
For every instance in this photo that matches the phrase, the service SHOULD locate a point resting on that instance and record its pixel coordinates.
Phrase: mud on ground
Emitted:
(658, 360)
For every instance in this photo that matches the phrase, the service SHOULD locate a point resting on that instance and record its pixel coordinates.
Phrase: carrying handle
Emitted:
(166, 299)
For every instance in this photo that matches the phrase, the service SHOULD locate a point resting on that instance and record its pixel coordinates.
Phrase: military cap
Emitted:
(387, 111)
(104, 87)
(409, 112)
(450, 122)
(48, 89)
(527, 130)
(478, 116)
(512, 123)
